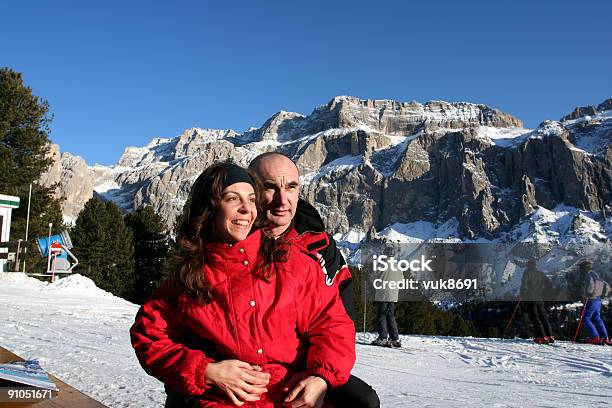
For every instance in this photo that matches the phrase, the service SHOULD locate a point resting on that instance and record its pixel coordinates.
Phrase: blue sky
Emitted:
(120, 73)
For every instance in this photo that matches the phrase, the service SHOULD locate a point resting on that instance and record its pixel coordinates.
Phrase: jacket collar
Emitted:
(225, 252)
(289, 233)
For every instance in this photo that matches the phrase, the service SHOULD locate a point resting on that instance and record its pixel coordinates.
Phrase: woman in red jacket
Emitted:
(242, 314)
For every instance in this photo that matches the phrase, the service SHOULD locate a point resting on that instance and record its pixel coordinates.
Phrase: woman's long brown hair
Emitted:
(195, 230)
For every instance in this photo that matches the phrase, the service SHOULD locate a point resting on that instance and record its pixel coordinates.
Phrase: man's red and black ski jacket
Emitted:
(308, 232)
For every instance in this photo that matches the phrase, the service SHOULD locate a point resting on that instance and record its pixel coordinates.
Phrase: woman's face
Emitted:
(236, 214)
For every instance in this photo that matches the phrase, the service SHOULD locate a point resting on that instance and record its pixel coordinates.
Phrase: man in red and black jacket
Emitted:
(297, 221)
(308, 228)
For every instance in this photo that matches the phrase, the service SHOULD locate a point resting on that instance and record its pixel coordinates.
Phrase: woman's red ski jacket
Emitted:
(291, 324)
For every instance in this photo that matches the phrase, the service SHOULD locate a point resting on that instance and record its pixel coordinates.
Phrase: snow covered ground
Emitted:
(80, 334)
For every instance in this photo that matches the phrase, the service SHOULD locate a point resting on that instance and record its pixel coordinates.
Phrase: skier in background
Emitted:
(385, 299)
(594, 289)
(534, 287)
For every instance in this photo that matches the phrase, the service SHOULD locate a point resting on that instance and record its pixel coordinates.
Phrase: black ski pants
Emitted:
(356, 393)
(538, 315)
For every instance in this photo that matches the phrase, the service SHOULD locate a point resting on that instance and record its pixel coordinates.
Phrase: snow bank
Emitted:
(76, 284)
(19, 279)
(81, 284)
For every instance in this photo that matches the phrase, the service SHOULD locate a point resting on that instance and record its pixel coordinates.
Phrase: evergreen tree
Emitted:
(419, 317)
(121, 276)
(151, 247)
(103, 244)
(461, 327)
(24, 142)
(89, 239)
(443, 322)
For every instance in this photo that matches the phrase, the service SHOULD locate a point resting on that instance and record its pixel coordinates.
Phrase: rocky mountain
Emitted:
(439, 168)
(73, 181)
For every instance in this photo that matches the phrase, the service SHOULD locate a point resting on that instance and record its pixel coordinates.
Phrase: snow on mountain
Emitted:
(504, 137)
(592, 134)
(514, 136)
(336, 168)
(599, 116)
(563, 225)
(107, 186)
(281, 127)
(421, 231)
(569, 234)
(456, 115)
(371, 164)
(383, 159)
(283, 130)
(80, 334)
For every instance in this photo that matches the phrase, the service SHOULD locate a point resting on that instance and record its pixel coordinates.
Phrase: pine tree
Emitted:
(420, 317)
(103, 244)
(461, 327)
(24, 142)
(89, 236)
(443, 322)
(120, 277)
(151, 247)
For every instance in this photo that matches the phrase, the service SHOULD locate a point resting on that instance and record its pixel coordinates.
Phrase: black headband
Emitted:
(236, 174)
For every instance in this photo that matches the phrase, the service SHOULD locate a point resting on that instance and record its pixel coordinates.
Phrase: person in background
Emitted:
(594, 289)
(385, 299)
(298, 222)
(534, 289)
(242, 314)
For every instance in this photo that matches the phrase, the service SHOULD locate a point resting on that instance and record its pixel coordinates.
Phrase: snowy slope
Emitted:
(80, 334)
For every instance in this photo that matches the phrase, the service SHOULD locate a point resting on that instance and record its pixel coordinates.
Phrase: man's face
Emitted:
(280, 179)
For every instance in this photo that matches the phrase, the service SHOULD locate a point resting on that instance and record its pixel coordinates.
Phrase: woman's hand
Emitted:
(308, 393)
(239, 380)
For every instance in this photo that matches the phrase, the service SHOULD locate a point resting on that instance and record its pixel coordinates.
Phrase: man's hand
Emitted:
(308, 393)
(239, 380)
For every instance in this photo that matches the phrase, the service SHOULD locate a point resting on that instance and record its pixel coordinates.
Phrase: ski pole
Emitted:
(586, 301)
(364, 276)
(511, 318)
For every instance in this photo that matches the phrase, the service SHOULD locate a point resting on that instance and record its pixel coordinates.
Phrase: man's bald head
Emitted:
(268, 158)
(280, 179)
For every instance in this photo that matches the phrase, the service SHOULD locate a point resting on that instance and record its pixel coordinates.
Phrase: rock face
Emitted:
(73, 181)
(52, 175)
(588, 110)
(368, 164)
(75, 185)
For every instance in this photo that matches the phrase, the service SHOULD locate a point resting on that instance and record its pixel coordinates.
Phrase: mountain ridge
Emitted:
(460, 160)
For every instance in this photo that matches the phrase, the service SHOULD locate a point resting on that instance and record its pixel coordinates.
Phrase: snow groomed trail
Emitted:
(472, 372)
(80, 333)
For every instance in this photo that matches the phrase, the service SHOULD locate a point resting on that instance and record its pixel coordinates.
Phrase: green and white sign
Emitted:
(9, 201)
